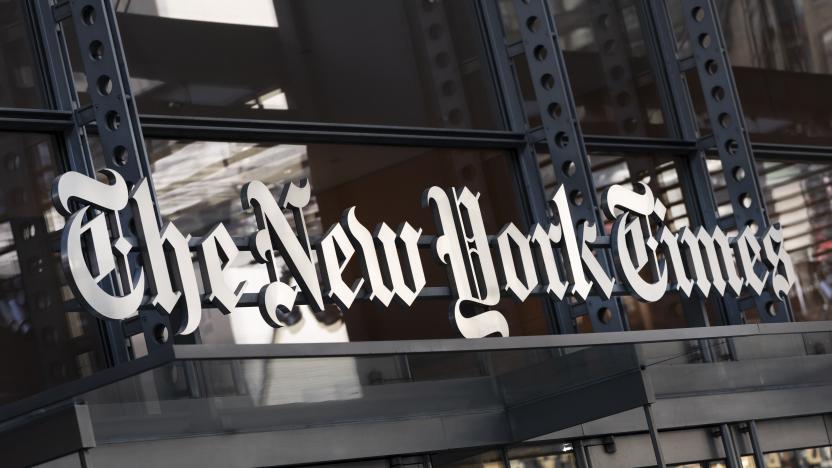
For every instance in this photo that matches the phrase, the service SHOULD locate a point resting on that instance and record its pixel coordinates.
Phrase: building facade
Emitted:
(717, 109)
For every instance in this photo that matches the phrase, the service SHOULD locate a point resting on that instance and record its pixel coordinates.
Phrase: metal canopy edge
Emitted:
(254, 351)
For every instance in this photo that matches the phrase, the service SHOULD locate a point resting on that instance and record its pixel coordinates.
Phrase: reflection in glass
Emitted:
(542, 456)
(606, 61)
(20, 83)
(782, 62)
(798, 197)
(659, 172)
(465, 459)
(41, 344)
(280, 394)
(811, 457)
(806, 458)
(198, 185)
(283, 393)
(409, 63)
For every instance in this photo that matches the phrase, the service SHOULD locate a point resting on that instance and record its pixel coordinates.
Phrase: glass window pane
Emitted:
(42, 343)
(542, 456)
(407, 63)
(606, 60)
(20, 83)
(661, 173)
(198, 185)
(798, 197)
(818, 456)
(782, 60)
(468, 459)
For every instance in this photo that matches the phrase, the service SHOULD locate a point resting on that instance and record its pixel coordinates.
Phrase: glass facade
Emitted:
(781, 54)
(20, 75)
(372, 102)
(408, 64)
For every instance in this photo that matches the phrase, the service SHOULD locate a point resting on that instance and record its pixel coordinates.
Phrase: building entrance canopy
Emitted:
(292, 403)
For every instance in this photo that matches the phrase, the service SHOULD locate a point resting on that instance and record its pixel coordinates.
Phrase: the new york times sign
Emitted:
(556, 257)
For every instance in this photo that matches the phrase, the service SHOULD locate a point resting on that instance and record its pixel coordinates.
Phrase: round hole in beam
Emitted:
(104, 85)
(555, 110)
(160, 333)
(698, 14)
(435, 31)
(533, 23)
(442, 59)
(577, 197)
(540, 53)
(547, 81)
(120, 155)
(113, 120)
(96, 50)
(449, 88)
(711, 67)
(88, 15)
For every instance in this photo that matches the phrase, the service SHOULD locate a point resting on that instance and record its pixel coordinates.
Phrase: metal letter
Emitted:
(158, 251)
(276, 237)
(107, 253)
(782, 276)
(386, 280)
(544, 240)
(216, 252)
(395, 274)
(580, 285)
(748, 251)
(508, 260)
(673, 254)
(603, 283)
(459, 248)
(630, 264)
(335, 245)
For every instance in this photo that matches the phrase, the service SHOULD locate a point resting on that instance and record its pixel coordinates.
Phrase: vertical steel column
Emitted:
(112, 111)
(558, 314)
(732, 460)
(564, 139)
(759, 459)
(654, 435)
(610, 34)
(57, 77)
(729, 134)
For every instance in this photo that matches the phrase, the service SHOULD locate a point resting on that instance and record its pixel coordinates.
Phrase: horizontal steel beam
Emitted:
(369, 348)
(35, 120)
(204, 128)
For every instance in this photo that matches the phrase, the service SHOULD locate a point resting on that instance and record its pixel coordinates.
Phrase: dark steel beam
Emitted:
(35, 120)
(205, 128)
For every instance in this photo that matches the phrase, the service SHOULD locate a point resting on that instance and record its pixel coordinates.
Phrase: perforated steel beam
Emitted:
(729, 136)
(564, 139)
(111, 110)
